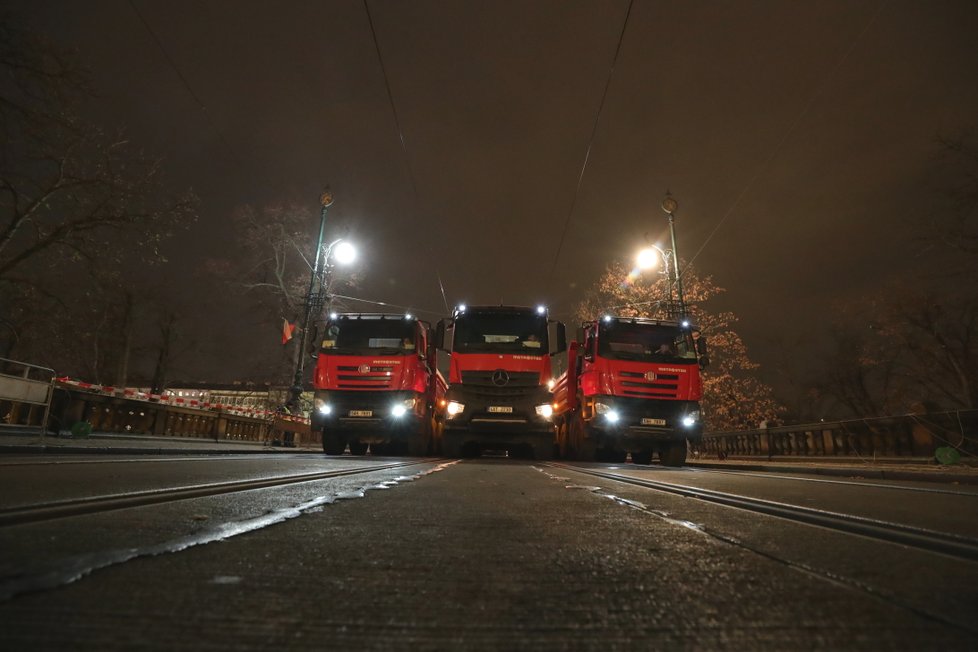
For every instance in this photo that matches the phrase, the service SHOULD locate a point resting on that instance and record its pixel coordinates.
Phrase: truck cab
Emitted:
(376, 385)
(499, 366)
(632, 386)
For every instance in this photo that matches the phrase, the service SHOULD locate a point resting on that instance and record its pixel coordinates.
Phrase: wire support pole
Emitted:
(311, 297)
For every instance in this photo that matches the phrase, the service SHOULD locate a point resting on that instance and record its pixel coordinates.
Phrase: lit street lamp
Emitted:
(669, 205)
(344, 253)
(649, 258)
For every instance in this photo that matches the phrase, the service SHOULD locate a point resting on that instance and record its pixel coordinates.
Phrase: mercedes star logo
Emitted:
(500, 377)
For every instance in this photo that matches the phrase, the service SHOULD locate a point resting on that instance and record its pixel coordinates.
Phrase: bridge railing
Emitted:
(911, 435)
(25, 394)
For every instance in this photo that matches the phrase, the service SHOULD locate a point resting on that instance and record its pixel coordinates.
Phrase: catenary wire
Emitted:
(791, 129)
(590, 143)
(400, 136)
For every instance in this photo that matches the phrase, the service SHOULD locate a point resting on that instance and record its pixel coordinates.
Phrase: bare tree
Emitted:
(74, 202)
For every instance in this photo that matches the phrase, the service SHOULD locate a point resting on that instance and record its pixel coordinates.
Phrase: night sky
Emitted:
(799, 138)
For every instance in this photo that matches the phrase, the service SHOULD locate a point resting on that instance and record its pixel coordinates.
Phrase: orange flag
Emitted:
(287, 331)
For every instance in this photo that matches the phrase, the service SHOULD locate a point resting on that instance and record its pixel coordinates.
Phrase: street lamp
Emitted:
(649, 258)
(344, 253)
(669, 205)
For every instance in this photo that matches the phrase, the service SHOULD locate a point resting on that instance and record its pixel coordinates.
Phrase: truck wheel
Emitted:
(334, 443)
(612, 455)
(451, 447)
(580, 443)
(543, 450)
(642, 457)
(356, 448)
(673, 454)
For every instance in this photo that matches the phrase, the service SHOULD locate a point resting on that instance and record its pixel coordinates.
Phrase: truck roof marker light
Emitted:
(333, 315)
(460, 308)
(407, 316)
(685, 323)
(541, 310)
(607, 318)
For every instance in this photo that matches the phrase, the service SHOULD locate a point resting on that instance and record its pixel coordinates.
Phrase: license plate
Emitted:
(361, 413)
(653, 422)
(501, 409)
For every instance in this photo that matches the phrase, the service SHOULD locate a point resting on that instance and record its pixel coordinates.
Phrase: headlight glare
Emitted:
(546, 410)
(454, 407)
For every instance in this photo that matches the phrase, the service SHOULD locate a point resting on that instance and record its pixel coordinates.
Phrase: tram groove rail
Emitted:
(39, 512)
(946, 543)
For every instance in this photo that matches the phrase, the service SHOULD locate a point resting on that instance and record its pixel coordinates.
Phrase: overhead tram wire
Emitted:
(387, 305)
(590, 143)
(794, 125)
(400, 135)
(186, 84)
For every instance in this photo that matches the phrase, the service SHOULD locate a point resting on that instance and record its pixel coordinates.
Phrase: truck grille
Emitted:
(350, 377)
(664, 385)
(514, 378)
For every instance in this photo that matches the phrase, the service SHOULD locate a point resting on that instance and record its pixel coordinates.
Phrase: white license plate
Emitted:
(501, 409)
(653, 422)
(361, 413)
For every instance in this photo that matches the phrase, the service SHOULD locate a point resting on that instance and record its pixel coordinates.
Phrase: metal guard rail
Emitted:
(911, 435)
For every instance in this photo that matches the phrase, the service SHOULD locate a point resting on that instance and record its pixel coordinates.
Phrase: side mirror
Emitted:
(701, 354)
(558, 337)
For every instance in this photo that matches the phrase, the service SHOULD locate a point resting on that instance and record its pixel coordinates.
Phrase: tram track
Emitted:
(949, 544)
(39, 512)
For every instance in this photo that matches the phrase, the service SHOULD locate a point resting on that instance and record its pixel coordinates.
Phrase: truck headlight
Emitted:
(323, 407)
(691, 419)
(606, 410)
(402, 408)
(546, 410)
(454, 408)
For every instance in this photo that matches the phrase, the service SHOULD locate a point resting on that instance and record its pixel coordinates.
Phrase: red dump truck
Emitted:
(632, 385)
(499, 365)
(376, 385)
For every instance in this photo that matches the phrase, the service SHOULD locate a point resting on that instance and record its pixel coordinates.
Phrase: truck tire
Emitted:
(673, 454)
(642, 457)
(356, 448)
(543, 450)
(334, 443)
(580, 441)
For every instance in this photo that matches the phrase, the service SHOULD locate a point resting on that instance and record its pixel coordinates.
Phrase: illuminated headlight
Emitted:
(400, 409)
(602, 408)
(546, 410)
(551, 383)
(611, 416)
(454, 408)
(691, 419)
(323, 407)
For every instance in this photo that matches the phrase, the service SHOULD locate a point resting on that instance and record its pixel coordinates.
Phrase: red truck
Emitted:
(376, 385)
(499, 369)
(632, 385)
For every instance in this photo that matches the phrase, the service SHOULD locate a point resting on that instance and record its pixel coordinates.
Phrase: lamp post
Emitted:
(669, 205)
(325, 201)
(649, 257)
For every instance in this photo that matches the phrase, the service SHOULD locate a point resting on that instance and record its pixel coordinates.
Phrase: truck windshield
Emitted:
(501, 332)
(624, 340)
(365, 336)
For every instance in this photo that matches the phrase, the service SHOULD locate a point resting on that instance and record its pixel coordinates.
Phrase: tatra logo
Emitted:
(500, 377)
(364, 368)
(649, 375)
